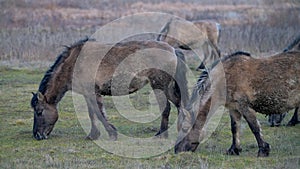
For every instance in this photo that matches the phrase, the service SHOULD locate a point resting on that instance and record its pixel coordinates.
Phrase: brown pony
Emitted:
(73, 70)
(267, 85)
(204, 34)
(275, 119)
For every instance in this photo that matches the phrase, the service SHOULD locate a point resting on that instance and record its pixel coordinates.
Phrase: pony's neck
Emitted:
(59, 79)
(56, 93)
(57, 86)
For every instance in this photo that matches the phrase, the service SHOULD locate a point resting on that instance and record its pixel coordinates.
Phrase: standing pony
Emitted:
(275, 119)
(87, 56)
(181, 34)
(267, 85)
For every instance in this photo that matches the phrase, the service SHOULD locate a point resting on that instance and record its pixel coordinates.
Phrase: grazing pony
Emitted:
(266, 85)
(73, 71)
(180, 34)
(275, 119)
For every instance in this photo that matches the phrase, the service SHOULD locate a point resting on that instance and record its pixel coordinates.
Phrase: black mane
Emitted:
(60, 59)
(237, 53)
(201, 80)
(201, 83)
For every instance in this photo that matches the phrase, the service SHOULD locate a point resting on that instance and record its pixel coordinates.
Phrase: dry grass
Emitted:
(34, 31)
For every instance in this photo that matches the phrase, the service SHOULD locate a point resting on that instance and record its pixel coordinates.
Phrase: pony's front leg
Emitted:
(101, 114)
(235, 118)
(164, 107)
(264, 147)
(94, 133)
(163, 132)
(294, 120)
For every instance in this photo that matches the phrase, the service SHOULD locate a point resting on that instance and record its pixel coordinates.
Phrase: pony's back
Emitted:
(265, 83)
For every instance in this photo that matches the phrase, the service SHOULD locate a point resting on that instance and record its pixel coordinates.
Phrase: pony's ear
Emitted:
(32, 93)
(163, 34)
(41, 97)
(164, 31)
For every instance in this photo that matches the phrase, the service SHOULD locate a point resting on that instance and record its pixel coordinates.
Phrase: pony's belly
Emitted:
(270, 106)
(121, 87)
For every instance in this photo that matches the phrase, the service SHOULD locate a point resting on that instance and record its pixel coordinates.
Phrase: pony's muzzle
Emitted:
(39, 136)
(186, 146)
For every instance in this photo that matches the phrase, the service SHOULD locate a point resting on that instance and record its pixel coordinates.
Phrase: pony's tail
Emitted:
(180, 77)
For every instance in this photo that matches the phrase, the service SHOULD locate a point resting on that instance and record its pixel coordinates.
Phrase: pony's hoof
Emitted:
(89, 137)
(234, 151)
(292, 123)
(262, 154)
(93, 136)
(112, 132)
(264, 151)
(161, 134)
(113, 137)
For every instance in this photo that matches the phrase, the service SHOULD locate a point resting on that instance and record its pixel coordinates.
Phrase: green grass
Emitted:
(67, 148)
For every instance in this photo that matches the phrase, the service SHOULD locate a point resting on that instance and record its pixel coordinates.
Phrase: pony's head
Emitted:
(45, 116)
(187, 140)
(192, 119)
(54, 85)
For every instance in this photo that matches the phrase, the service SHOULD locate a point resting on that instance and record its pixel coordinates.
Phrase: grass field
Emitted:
(67, 148)
(32, 34)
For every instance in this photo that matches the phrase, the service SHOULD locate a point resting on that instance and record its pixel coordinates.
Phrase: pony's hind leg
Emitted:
(249, 115)
(112, 131)
(294, 120)
(96, 109)
(276, 119)
(94, 133)
(235, 118)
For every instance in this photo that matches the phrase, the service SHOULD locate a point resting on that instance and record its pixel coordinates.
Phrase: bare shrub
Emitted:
(35, 30)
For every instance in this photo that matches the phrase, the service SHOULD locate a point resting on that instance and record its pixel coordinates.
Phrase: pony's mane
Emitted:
(237, 53)
(60, 59)
(293, 44)
(224, 58)
(202, 83)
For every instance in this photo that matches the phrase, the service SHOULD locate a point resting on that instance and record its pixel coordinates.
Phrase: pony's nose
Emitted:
(39, 136)
(178, 147)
